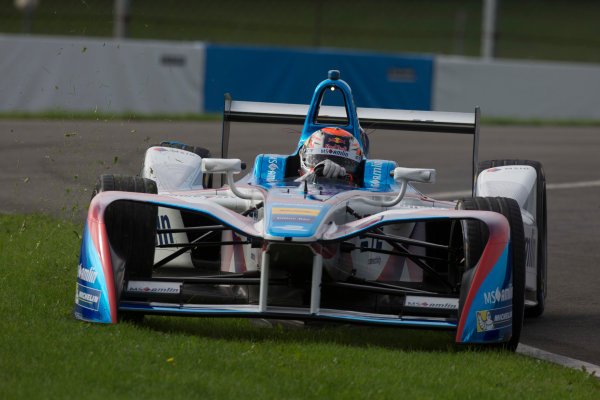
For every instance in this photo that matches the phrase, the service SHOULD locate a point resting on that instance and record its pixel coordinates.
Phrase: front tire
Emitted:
(131, 231)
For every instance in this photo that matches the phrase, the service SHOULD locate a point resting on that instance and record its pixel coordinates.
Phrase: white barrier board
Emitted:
(517, 89)
(104, 75)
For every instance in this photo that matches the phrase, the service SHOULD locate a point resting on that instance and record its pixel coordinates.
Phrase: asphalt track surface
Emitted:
(51, 166)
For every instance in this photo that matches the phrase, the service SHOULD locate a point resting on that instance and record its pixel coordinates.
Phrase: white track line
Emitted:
(558, 359)
(572, 185)
(549, 186)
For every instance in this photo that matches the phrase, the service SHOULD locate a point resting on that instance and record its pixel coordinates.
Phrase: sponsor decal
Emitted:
(508, 168)
(334, 152)
(87, 275)
(431, 302)
(273, 167)
(374, 260)
(376, 177)
(295, 211)
(335, 140)
(371, 242)
(294, 215)
(154, 287)
(489, 320)
(302, 219)
(337, 143)
(163, 222)
(485, 321)
(497, 296)
(87, 297)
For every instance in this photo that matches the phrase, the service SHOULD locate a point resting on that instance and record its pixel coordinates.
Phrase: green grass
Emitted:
(536, 29)
(44, 353)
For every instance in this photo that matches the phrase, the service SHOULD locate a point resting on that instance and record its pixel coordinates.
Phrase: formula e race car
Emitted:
(288, 242)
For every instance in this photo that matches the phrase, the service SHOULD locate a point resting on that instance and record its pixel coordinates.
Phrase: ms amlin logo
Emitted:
(498, 295)
(273, 167)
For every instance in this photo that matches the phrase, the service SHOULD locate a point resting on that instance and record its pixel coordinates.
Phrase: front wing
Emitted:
(483, 309)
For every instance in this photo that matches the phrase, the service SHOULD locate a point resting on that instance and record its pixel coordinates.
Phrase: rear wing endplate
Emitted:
(373, 118)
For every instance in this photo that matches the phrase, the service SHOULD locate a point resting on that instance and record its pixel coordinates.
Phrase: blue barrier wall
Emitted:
(290, 76)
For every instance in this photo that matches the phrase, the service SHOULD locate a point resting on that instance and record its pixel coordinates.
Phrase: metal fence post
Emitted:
(488, 32)
(122, 16)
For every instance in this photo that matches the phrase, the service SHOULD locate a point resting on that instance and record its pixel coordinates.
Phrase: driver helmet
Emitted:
(333, 144)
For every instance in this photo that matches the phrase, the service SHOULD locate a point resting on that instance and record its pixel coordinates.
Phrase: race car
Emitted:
(289, 241)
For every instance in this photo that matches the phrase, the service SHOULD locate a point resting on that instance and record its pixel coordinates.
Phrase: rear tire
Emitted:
(477, 236)
(541, 221)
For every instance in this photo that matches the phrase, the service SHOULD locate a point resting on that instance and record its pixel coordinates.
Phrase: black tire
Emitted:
(476, 237)
(542, 227)
(207, 179)
(131, 226)
(131, 230)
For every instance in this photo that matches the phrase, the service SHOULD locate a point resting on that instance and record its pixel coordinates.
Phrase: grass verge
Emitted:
(47, 354)
(549, 29)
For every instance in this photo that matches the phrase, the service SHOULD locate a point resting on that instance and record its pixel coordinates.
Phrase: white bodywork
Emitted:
(518, 182)
(176, 170)
(172, 170)
(179, 171)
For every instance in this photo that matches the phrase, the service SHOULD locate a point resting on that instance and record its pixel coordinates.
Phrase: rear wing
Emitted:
(376, 118)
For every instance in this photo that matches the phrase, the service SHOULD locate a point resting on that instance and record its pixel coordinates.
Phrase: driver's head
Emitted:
(332, 144)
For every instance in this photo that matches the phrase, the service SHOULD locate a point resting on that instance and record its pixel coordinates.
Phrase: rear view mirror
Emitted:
(228, 166)
(421, 175)
(222, 165)
(402, 176)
